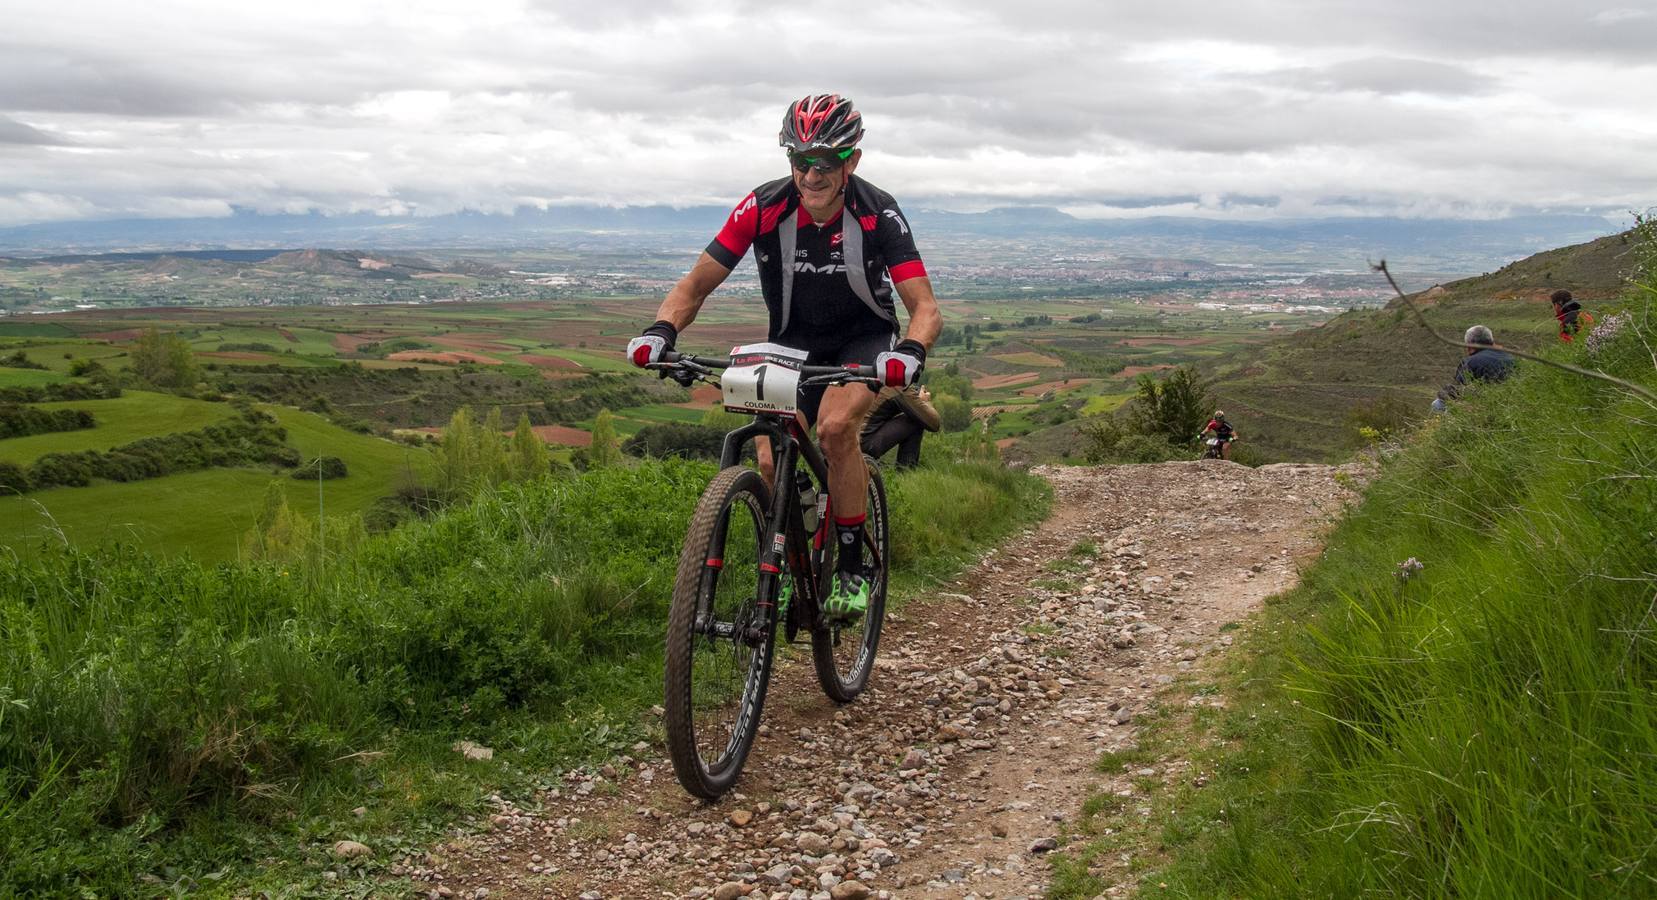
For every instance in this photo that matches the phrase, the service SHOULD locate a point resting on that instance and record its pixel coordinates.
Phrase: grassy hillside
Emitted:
(121, 420)
(1292, 399)
(1484, 724)
(210, 727)
(203, 514)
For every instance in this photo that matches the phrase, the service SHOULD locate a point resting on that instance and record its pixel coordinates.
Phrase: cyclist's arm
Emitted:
(925, 321)
(685, 300)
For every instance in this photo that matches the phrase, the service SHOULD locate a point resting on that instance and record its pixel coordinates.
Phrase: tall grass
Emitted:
(166, 714)
(1484, 726)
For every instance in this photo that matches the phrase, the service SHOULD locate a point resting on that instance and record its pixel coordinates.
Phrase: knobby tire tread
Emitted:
(679, 718)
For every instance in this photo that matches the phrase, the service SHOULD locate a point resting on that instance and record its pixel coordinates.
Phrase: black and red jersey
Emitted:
(836, 287)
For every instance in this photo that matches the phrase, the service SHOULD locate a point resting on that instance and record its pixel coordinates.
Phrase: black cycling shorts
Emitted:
(858, 350)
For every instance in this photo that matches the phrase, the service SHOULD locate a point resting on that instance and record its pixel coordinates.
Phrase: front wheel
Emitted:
(844, 653)
(719, 639)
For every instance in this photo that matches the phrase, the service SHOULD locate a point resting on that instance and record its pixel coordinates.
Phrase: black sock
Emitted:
(849, 532)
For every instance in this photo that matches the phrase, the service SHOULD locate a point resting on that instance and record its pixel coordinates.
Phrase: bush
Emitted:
(675, 439)
(325, 467)
(251, 438)
(19, 360)
(955, 412)
(21, 421)
(52, 393)
(13, 479)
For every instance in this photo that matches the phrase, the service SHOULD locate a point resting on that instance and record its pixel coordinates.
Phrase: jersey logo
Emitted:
(893, 215)
(746, 205)
(826, 269)
(836, 238)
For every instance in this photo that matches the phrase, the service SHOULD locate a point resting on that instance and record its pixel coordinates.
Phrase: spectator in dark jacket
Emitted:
(1484, 362)
(1570, 314)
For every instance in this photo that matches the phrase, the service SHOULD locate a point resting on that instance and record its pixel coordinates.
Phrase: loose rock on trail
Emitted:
(952, 774)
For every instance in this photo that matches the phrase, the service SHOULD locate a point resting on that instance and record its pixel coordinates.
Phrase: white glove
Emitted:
(901, 365)
(648, 348)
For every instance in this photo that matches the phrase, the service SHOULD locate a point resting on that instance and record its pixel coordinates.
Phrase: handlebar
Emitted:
(705, 365)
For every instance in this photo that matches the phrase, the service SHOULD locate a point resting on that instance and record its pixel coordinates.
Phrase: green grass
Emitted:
(10, 377)
(13, 328)
(1485, 727)
(203, 514)
(121, 420)
(183, 720)
(59, 356)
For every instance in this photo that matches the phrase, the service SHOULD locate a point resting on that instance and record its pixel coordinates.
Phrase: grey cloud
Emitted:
(1385, 75)
(1403, 27)
(437, 108)
(36, 80)
(14, 132)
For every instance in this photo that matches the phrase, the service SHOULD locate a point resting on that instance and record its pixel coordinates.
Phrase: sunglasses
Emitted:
(832, 161)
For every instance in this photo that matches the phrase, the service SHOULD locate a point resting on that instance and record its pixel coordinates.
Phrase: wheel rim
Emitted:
(727, 640)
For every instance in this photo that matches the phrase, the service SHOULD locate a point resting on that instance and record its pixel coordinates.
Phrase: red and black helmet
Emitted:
(820, 122)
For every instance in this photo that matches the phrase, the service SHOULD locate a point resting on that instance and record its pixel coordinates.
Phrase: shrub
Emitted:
(21, 421)
(324, 467)
(251, 438)
(19, 360)
(955, 412)
(676, 439)
(13, 479)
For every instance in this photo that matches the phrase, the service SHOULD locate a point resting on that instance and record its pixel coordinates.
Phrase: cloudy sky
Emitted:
(1244, 109)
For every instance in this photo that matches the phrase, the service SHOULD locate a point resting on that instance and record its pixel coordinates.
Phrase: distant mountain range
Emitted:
(1494, 240)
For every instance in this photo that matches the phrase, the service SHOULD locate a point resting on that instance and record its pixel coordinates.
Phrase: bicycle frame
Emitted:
(789, 544)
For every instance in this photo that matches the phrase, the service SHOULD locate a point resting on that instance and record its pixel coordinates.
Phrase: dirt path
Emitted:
(951, 776)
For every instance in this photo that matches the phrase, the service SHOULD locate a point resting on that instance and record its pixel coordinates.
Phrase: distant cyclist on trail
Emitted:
(1222, 430)
(825, 242)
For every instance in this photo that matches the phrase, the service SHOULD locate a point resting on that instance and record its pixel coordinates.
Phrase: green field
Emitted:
(10, 377)
(59, 356)
(122, 420)
(204, 514)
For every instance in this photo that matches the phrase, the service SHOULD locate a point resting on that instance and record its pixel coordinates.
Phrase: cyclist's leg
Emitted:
(839, 427)
(840, 421)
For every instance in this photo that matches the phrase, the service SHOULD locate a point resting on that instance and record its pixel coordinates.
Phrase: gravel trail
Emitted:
(991, 701)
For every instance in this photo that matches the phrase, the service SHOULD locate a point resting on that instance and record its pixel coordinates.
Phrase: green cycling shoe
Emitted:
(848, 599)
(783, 596)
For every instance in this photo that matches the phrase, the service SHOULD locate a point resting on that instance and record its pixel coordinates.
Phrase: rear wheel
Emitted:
(719, 640)
(844, 653)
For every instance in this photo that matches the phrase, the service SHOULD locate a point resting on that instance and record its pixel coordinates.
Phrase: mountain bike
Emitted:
(744, 540)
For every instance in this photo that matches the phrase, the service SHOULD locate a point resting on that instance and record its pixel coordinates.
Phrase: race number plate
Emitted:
(765, 378)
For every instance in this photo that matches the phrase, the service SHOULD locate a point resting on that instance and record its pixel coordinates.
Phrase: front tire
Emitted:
(719, 640)
(844, 654)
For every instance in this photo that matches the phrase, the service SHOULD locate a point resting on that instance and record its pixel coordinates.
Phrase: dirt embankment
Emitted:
(953, 774)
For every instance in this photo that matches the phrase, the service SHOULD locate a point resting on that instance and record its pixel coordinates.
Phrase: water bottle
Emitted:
(809, 512)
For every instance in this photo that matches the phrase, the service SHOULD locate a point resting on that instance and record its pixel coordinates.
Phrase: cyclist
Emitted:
(1222, 430)
(825, 242)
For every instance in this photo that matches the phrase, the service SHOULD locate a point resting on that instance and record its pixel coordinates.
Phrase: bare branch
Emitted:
(1420, 319)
